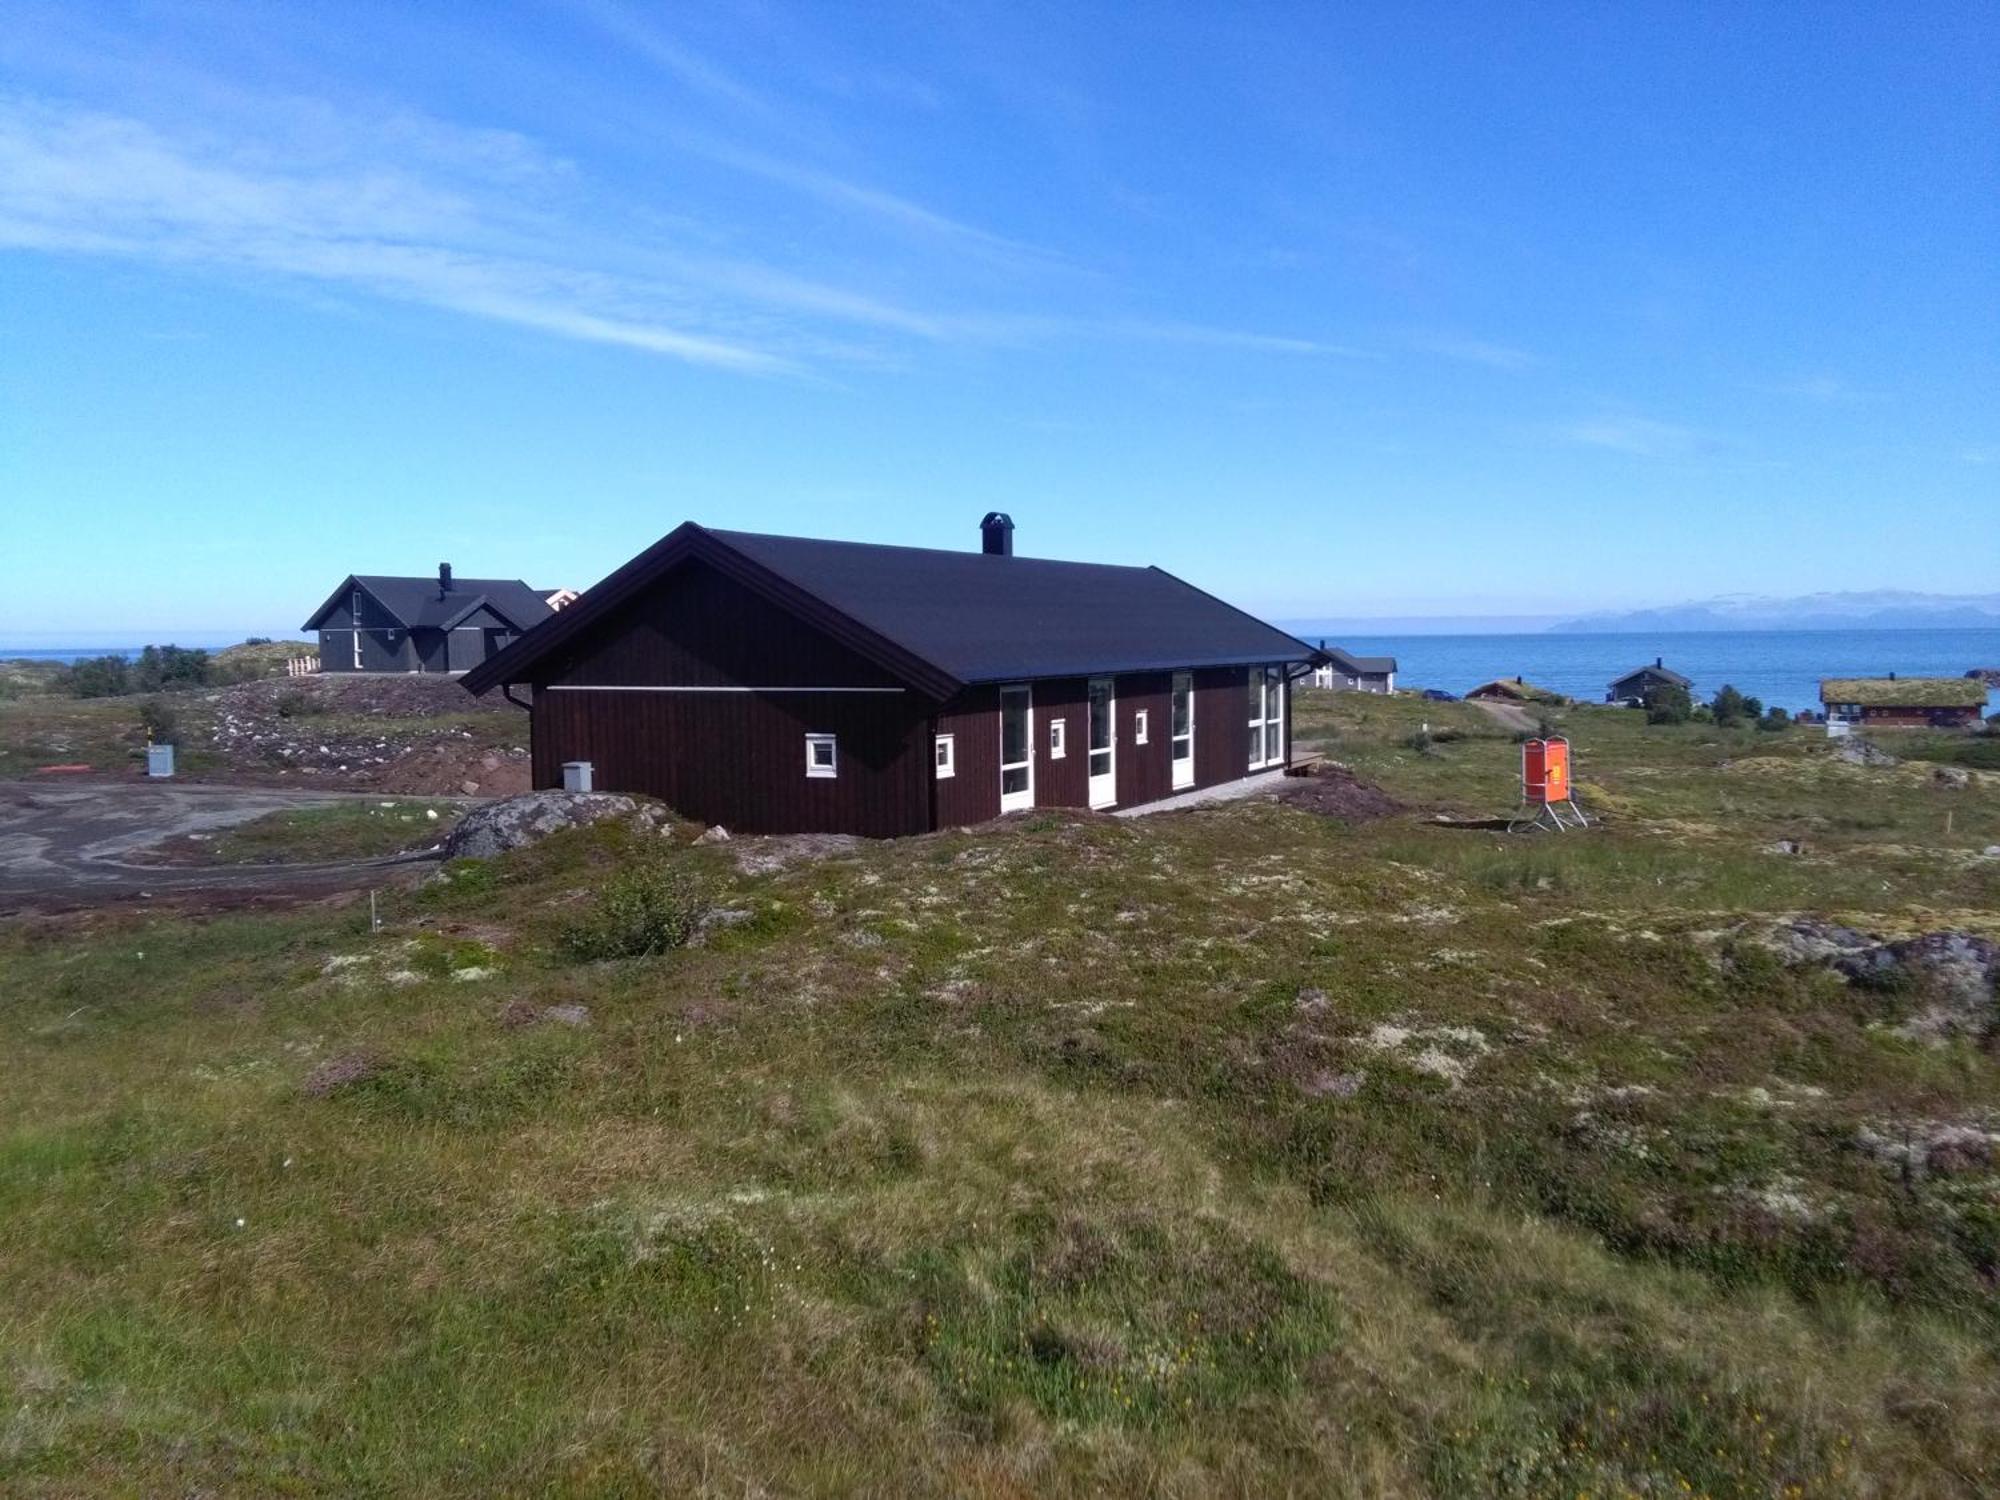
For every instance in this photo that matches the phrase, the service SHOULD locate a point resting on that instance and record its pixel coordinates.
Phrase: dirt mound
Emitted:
(1336, 792)
(404, 733)
(456, 768)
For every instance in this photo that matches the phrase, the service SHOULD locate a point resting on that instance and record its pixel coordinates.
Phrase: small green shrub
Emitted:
(1732, 708)
(1667, 704)
(647, 908)
(158, 720)
(97, 677)
(1775, 719)
(170, 667)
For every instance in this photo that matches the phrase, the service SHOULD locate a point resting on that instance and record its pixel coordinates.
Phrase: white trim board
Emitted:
(606, 687)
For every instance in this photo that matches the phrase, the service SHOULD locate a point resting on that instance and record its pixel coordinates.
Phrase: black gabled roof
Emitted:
(419, 603)
(941, 619)
(1655, 669)
(1348, 662)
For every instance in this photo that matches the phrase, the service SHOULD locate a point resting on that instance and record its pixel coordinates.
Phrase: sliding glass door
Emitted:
(1103, 743)
(1183, 729)
(1017, 739)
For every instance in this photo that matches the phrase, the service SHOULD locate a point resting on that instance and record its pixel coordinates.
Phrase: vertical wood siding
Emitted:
(738, 759)
(1145, 772)
(972, 795)
(1065, 782)
(1221, 725)
(697, 628)
(735, 758)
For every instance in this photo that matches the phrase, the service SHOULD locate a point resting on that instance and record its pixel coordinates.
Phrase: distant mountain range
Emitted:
(1880, 609)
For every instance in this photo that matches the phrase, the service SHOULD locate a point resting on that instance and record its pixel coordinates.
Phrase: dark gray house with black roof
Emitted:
(443, 624)
(1630, 689)
(1343, 670)
(784, 685)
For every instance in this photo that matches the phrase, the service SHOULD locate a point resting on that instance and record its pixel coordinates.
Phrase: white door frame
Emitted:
(1103, 788)
(1017, 801)
(1183, 767)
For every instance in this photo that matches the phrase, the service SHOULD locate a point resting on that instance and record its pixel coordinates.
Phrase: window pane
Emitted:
(1256, 743)
(1100, 762)
(1013, 729)
(1256, 693)
(1014, 780)
(1273, 742)
(1183, 704)
(1100, 716)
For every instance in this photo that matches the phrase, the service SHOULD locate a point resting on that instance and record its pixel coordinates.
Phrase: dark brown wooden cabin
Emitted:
(786, 685)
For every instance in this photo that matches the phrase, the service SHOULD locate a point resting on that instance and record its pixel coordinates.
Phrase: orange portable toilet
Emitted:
(1545, 778)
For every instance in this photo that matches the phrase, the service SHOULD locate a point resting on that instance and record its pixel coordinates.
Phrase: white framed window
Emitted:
(822, 758)
(1139, 727)
(944, 755)
(354, 608)
(1267, 716)
(1058, 738)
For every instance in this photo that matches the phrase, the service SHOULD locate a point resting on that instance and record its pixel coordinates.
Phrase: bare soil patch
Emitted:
(1333, 791)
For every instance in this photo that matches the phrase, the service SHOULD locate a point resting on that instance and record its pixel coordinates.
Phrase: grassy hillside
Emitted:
(1239, 1152)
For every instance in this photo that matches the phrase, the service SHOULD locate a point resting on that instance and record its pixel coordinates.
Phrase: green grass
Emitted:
(103, 733)
(346, 830)
(1013, 1162)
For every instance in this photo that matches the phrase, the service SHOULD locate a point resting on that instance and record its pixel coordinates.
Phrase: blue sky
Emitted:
(1339, 310)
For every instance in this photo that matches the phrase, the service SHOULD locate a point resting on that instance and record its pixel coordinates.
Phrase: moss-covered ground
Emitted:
(1230, 1152)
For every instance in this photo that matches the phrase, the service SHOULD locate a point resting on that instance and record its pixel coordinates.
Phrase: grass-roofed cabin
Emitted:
(1901, 703)
(1516, 690)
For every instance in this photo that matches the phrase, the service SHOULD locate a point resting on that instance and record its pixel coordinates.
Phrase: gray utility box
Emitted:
(159, 760)
(576, 776)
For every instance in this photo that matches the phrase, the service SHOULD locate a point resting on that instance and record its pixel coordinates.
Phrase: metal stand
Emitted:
(1554, 817)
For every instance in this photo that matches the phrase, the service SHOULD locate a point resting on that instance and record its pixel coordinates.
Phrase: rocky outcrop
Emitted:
(533, 816)
(1952, 978)
(1955, 972)
(1857, 751)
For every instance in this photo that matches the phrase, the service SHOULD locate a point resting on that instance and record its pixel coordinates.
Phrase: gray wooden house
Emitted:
(1631, 689)
(443, 624)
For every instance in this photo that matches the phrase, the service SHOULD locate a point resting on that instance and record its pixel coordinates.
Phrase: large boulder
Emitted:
(533, 816)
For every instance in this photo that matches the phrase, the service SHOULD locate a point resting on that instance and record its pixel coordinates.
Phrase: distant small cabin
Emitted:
(1631, 689)
(373, 623)
(1901, 703)
(1358, 674)
(1514, 690)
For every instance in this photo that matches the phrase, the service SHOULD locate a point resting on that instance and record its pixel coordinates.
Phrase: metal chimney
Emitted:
(444, 578)
(996, 534)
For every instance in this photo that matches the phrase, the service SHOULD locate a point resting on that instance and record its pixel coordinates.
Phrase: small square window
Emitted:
(1058, 738)
(1139, 727)
(820, 755)
(946, 756)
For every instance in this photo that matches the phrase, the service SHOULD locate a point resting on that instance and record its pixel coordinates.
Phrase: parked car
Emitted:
(1439, 695)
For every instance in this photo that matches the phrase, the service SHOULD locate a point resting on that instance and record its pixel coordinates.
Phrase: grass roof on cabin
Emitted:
(1904, 692)
(1513, 687)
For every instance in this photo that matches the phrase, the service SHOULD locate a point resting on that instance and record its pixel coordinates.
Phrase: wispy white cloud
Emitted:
(1641, 437)
(93, 183)
(488, 225)
(1825, 389)
(1473, 351)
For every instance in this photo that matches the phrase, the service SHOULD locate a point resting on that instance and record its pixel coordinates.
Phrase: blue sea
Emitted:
(1782, 667)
